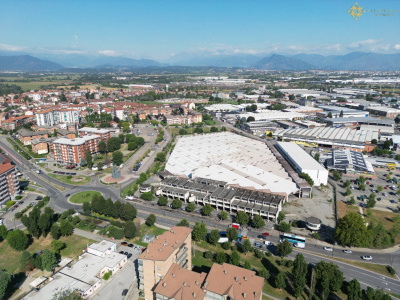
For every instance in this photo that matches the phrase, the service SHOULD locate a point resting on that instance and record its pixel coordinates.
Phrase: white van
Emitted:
(299, 245)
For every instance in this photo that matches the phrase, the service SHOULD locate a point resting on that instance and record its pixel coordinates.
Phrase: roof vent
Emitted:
(157, 237)
(226, 272)
(236, 279)
(164, 284)
(205, 283)
(159, 250)
(244, 295)
(245, 278)
(165, 244)
(147, 250)
(174, 275)
(176, 242)
(196, 282)
(185, 283)
(194, 295)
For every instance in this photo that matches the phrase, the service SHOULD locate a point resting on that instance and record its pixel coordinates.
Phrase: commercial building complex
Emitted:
(9, 185)
(241, 162)
(104, 134)
(340, 138)
(348, 161)
(163, 276)
(384, 111)
(302, 162)
(221, 196)
(68, 151)
(338, 111)
(358, 121)
(85, 276)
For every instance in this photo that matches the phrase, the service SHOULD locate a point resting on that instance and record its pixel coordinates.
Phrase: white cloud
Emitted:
(5, 47)
(397, 46)
(108, 52)
(76, 37)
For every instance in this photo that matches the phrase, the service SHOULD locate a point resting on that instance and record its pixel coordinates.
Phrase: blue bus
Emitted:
(297, 241)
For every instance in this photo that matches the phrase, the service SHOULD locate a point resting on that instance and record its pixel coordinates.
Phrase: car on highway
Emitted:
(347, 251)
(124, 292)
(328, 249)
(366, 257)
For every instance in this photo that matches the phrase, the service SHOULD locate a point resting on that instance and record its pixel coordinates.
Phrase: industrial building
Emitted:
(358, 121)
(336, 112)
(221, 196)
(350, 162)
(240, 161)
(302, 162)
(269, 115)
(340, 138)
(384, 111)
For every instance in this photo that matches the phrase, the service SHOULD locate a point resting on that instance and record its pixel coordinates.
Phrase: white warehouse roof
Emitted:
(226, 156)
(302, 158)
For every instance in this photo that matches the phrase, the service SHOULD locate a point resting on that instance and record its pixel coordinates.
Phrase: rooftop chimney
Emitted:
(245, 278)
(244, 295)
(164, 284)
(197, 283)
(225, 271)
(236, 279)
(185, 283)
(174, 275)
(194, 295)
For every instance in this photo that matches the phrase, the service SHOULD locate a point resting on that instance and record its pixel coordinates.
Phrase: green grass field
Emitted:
(82, 197)
(144, 229)
(68, 180)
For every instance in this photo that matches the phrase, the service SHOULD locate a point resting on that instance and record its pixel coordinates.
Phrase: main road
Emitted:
(59, 192)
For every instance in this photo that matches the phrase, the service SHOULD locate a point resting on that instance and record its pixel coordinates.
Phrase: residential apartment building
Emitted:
(26, 136)
(85, 276)
(13, 123)
(40, 146)
(104, 134)
(51, 117)
(187, 119)
(172, 247)
(68, 151)
(9, 185)
(221, 196)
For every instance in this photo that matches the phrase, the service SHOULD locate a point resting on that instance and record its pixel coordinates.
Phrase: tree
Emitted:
(257, 222)
(132, 145)
(184, 223)
(371, 200)
(116, 209)
(329, 278)
(57, 245)
(348, 192)
(190, 207)
(17, 240)
(329, 115)
(161, 156)
(89, 159)
(341, 114)
(182, 132)
(280, 281)
(361, 186)
(220, 257)
(117, 158)
(347, 183)
(247, 265)
(113, 144)
(284, 248)
(246, 246)
(151, 219)
(213, 237)
(102, 147)
(147, 196)
(127, 212)
(232, 234)
(207, 210)
(351, 231)
(352, 201)
(317, 156)
(242, 218)
(25, 261)
(263, 272)
(44, 223)
(299, 274)
(87, 208)
(281, 216)
(3, 232)
(284, 227)
(224, 215)
(122, 137)
(130, 230)
(49, 260)
(176, 203)
(162, 201)
(307, 177)
(55, 231)
(33, 222)
(234, 259)
(336, 175)
(354, 290)
(213, 129)
(199, 232)
(374, 142)
(66, 228)
(92, 226)
(380, 188)
(5, 280)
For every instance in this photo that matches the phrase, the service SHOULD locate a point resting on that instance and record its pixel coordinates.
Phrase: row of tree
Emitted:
(99, 205)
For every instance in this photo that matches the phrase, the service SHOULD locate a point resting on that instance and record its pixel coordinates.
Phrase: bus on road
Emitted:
(297, 241)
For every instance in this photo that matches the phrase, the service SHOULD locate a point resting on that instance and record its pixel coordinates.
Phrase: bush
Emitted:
(226, 245)
(208, 254)
(18, 197)
(268, 254)
(391, 270)
(284, 227)
(289, 263)
(147, 196)
(162, 201)
(176, 203)
(107, 275)
(151, 219)
(315, 235)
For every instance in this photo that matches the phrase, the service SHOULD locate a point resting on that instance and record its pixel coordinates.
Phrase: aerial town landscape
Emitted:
(215, 161)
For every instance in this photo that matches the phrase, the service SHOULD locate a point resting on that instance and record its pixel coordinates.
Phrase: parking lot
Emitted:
(64, 173)
(387, 199)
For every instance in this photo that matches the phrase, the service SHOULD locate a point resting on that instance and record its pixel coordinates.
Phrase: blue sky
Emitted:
(161, 29)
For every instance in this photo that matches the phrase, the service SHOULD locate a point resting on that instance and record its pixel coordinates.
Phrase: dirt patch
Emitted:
(344, 209)
(78, 179)
(109, 179)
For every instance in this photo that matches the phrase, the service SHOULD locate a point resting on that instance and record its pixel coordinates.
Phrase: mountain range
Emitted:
(354, 61)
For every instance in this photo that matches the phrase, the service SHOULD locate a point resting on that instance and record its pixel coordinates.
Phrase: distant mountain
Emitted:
(354, 61)
(280, 62)
(27, 63)
(230, 61)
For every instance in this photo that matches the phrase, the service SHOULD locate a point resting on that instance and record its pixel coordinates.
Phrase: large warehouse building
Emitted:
(239, 161)
(302, 162)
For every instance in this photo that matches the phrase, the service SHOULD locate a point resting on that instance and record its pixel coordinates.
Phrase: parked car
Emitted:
(256, 244)
(379, 198)
(366, 257)
(129, 198)
(347, 251)
(129, 255)
(39, 198)
(392, 201)
(124, 292)
(130, 245)
(267, 243)
(328, 249)
(121, 252)
(124, 243)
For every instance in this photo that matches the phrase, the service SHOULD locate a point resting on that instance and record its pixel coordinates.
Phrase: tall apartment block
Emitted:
(51, 117)
(172, 247)
(104, 134)
(72, 152)
(9, 185)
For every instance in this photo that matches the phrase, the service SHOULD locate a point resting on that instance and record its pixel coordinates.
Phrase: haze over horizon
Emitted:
(179, 30)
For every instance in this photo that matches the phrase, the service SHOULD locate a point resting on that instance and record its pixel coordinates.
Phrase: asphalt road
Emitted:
(169, 217)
